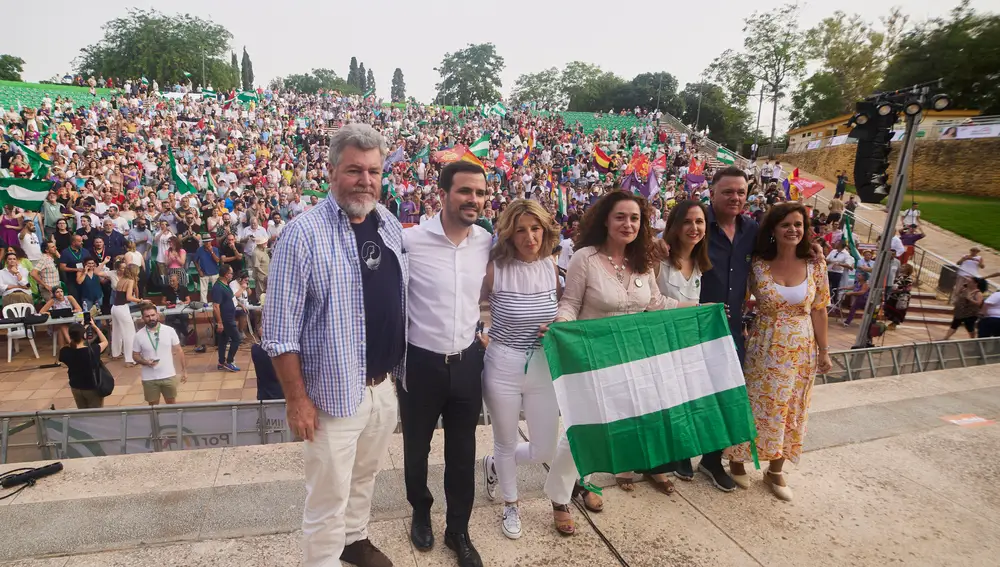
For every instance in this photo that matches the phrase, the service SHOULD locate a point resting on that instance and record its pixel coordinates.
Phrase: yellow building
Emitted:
(838, 126)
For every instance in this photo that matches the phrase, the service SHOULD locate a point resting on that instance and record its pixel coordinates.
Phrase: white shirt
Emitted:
(252, 234)
(566, 253)
(444, 286)
(911, 216)
(144, 340)
(969, 267)
(29, 243)
(841, 257)
(897, 246)
(991, 307)
(8, 279)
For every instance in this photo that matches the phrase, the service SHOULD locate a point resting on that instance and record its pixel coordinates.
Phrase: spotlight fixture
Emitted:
(884, 109)
(861, 119)
(940, 102)
(912, 108)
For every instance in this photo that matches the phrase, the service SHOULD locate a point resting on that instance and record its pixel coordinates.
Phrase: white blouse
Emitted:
(673, 285)
(7, 279)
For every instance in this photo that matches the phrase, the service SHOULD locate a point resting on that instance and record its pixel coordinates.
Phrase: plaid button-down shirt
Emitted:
(315, 303)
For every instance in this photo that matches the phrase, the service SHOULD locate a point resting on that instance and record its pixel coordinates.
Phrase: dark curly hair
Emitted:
(766, 248)
(594, 230)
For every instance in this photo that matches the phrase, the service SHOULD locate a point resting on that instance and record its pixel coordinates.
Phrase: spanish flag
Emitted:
(601, 161)
(471, 158)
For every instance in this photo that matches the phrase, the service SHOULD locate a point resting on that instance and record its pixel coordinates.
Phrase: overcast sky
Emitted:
(295, 36)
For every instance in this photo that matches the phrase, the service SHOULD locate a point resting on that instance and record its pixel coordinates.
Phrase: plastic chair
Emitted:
(14, 334)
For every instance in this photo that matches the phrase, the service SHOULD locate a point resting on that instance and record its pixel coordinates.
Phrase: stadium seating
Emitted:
(31, 94)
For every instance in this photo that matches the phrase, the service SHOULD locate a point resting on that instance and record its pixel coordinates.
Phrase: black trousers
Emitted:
(453, 391)
(230, 335)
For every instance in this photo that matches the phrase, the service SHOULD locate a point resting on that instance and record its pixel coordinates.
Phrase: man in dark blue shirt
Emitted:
(114, 242)
(71, 261)
(227, 332)
(206, 260)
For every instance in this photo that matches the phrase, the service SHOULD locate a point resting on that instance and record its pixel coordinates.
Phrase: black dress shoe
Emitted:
(463, 548)
(421, 533)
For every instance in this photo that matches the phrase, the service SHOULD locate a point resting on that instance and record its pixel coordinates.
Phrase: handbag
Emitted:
(103, 379)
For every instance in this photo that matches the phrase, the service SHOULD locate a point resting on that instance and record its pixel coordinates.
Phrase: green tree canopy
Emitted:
(708, 105)
(398, 92)
(470, 75)
(543, 88)
(247, 75)
(311, 83)
(362, 78)
(352, 73)
(11, 67)
(820, 97)
(235, 64)
(370, 81)
(147, 43)
(963, 49)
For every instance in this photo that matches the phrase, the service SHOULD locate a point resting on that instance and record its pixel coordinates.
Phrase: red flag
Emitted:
(695, 168)
(795, 173)
(660, 162)
(502, 164)
(449, 155)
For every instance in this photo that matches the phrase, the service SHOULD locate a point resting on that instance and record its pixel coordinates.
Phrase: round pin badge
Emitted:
(638, 282)
(552, 296)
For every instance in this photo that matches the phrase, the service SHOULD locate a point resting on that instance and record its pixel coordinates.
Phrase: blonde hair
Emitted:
(836, 206)
(504, 250)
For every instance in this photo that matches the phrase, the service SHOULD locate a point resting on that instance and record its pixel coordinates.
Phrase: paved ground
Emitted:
(884, 480)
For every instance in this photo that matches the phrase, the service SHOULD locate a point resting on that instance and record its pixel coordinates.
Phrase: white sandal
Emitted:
(741, 480)
(782, 492)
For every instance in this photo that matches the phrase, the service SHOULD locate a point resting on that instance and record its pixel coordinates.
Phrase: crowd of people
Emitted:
(258, 203)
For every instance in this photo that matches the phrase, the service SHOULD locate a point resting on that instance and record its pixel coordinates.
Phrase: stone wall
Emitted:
(968, 167)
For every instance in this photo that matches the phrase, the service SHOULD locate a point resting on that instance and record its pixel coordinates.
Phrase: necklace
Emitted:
(619, 269)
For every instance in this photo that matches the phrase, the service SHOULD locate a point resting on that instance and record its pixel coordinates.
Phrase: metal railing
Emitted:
(66, 434)
(707, 145)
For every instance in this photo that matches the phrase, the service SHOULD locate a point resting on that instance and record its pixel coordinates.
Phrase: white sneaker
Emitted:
(490, 477)
(511, 523)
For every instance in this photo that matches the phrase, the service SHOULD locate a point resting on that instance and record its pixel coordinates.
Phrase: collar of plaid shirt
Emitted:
(315, 303)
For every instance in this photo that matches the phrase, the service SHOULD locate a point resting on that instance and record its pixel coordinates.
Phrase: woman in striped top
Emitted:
(522, 287)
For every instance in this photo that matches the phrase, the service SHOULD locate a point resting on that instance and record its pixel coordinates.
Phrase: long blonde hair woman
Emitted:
(522, 286)
(122, 326)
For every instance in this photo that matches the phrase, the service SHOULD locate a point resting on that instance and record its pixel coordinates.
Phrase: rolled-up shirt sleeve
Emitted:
(287, 287)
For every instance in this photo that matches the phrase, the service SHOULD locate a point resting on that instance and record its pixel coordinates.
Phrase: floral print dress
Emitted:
(781, 363)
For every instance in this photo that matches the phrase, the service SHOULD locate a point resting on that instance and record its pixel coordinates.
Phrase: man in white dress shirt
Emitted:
(447, 255)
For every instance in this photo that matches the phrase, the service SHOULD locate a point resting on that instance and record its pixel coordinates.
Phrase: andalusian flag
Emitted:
(848, 235)
(389, 190)
(471, 158)
(183, 186)
(314, 193)
(723, 155)
(186, 74)
(28, 194)
(639, 391)
(39, 165)
(499, 109)
(423, 154)
(208, 93)
(601, 161)
(561, 192)
(211, 184)
(369, 92)
(247, 96)
(481, 147)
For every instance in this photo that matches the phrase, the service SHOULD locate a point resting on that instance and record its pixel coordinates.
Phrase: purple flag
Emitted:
(631, 183)
(652, 186)
(788, 189)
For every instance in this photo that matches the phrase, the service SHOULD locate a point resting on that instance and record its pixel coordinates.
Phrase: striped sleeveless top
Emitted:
(523, 297)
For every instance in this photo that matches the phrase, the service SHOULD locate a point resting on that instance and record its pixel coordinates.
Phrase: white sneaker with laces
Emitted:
(511, 523)
(490, 477)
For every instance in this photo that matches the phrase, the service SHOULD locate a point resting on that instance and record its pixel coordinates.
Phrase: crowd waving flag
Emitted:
(601, 161)
(393, 158)
(182, 184)
(723, 155)
(852, 246)
(481, 147)
(39, 165)
(28, 194)
(639, 391)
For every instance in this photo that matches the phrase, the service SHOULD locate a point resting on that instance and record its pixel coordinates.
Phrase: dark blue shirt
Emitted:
(114, 243)
(380, 278)
(90, 289)
(268, 387)
(727, 281)
(74, 260)
(203, 259)
(222, 295)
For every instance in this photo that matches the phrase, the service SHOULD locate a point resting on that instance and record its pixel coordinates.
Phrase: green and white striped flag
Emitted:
(424, 153)
(639, 391)
(499, 109)
(183, 187)
(848, 235)
(247, 96)
(723, 155)
(39, 165)
(481, 147)
(28, 194)
(369, 92)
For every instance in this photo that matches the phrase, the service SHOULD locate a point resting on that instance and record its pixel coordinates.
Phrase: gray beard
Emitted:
(358, 210)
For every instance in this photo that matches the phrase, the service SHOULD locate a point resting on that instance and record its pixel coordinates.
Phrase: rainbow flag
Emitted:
(471, 158)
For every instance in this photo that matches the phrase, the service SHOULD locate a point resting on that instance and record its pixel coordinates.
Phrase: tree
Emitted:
(311, 83)
(575, 76)
(398, 92)
(352, 73)
(853, 55)
(652, 90)
(146, 43)
(708, 105)
(820, 97)
(370, 81)
(772, 54)
(600, 92)
(470, 75)
(235, 64)
(362, 83)
(11, 68)
(963, 50)
(247, 71)
(543, 88)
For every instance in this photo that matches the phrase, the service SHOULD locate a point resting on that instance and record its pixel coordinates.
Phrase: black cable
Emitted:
(11, 473)
(586, 514)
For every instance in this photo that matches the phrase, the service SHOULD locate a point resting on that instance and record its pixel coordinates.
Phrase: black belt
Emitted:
(448, 358)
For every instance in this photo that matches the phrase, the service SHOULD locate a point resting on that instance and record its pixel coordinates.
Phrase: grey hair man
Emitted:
(336, 331)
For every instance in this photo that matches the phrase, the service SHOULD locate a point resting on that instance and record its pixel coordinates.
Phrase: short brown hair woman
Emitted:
(787, 343)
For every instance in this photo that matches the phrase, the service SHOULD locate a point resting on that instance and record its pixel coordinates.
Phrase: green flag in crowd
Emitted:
(28, 194)
(423, 154)
(183, 186)
(39, 165)
(481, 147)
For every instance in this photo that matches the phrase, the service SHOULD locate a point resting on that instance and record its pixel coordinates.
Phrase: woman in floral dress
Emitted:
(786, 346)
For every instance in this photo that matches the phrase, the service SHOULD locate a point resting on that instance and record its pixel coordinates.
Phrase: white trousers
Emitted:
(512, 379)
(340, 466)
(562, 474)
(122, 332)
(206, 283)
